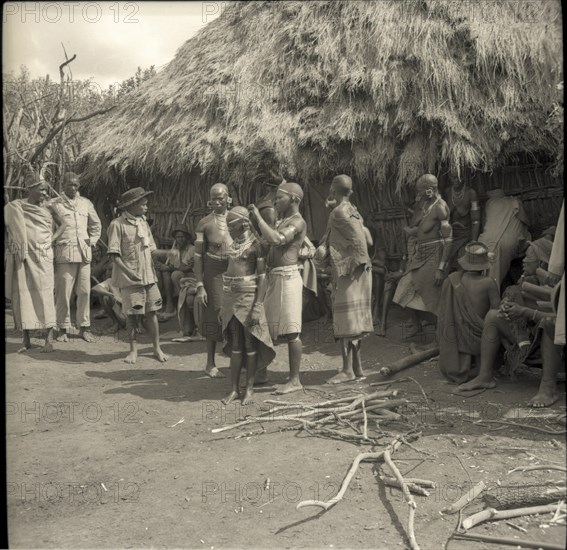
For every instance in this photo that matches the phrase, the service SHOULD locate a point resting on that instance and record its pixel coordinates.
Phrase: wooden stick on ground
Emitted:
(410, 361)
(492, 514)
(510, 542)
(407, 497)
(465, 499)
(531, 468)
(350, 474)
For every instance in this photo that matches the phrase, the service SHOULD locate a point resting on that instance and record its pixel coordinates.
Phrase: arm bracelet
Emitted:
(199, 285)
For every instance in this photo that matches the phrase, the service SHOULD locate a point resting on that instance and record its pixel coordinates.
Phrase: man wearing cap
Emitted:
(466, 298)
(130, 244)
(283, 302)
(29, 278)
(73, 256)
(211, 245)
(178, 264)
(346, 246)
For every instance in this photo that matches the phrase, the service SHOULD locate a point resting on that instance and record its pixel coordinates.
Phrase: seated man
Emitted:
(509, 326)
(179, 264)
(466, 297)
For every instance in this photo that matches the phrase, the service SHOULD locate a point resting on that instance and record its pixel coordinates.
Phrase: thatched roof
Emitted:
(380, 89)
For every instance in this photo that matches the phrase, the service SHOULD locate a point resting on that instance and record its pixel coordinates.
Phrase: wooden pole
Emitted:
(410, 361)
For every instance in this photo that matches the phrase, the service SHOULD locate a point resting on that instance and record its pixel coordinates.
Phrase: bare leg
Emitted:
(48, 346)
(153, 329)
(236, 336)
(495, 328)
(170, 302)
(251, 362)
(131, 323)
(107, 304)
(356, 358)
(295, 348)
(211, 369)
(26, 342)
(347, 374)
(551, 363)
(389, 291)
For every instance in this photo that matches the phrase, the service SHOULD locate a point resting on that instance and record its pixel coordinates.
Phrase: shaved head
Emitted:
(218, 188)
(342, 185)
(292, 189)
(237, 213)
(425, 181)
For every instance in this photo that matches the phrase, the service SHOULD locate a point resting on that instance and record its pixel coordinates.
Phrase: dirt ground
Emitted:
(105, 454)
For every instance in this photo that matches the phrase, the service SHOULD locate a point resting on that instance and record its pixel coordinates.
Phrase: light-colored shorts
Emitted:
(138, 300)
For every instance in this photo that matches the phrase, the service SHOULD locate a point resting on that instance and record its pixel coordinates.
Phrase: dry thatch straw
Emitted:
(382, 90)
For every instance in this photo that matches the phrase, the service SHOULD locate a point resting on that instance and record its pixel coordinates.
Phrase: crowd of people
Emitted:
(243, 280)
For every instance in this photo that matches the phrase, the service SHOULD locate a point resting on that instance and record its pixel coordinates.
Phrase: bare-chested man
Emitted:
(465, 217)
(243, 317)
(283, 302)
(211, 246)
(466, 298)
(420, 287)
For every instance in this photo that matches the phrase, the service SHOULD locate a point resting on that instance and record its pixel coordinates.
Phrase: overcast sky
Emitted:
(110, 39)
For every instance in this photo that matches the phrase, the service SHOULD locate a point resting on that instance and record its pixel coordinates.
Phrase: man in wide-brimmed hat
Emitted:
(501, 329)
(130, 243)
(73, 256)
(29, 260)
(466, 298)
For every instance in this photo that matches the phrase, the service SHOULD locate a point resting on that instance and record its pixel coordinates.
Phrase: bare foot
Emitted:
(248, 398)
(233, 395)
(47, 348)
(131, 358)
(478, 383)
(287, 388)
(213, 372)
(161, 357)
(87, 336)
(543, 398)
(63, 337)
(341, 377)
